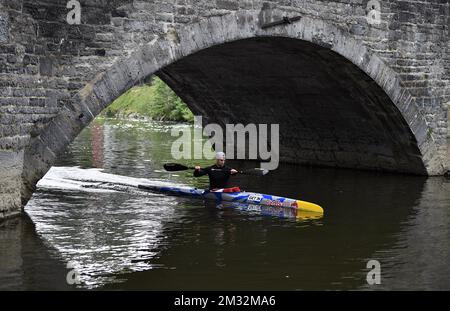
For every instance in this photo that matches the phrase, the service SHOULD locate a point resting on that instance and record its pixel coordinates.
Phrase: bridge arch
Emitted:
(165, 56)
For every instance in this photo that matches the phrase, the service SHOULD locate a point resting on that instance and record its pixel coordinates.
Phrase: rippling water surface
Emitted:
(88, 213)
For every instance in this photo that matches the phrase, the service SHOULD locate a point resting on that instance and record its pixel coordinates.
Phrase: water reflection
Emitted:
(97, 144)
(27, 261)
(104, 232)
(420, 255)
(273, 211)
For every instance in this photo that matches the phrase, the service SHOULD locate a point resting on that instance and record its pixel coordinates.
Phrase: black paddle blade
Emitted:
(174, 167)
(255, 172)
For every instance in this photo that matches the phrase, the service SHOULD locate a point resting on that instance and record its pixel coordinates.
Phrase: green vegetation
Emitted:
(156, 101)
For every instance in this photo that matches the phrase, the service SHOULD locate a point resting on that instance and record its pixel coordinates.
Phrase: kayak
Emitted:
(240, 197)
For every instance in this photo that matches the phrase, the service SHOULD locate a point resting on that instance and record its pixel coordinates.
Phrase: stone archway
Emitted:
(180, 43)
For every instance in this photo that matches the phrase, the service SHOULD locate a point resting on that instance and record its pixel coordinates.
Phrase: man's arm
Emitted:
(198, 172)
(231, 171)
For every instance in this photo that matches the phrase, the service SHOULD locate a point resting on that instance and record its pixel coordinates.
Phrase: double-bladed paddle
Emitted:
(175, 167)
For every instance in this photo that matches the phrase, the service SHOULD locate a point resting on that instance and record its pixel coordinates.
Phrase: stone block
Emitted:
(4, 27)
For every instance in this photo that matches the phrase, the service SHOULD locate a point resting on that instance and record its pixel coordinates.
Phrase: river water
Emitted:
(89, 224)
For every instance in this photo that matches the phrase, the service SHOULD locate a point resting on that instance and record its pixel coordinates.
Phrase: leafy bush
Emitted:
(156, 101)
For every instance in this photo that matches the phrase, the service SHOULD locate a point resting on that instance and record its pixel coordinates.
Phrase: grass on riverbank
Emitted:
(155, 101)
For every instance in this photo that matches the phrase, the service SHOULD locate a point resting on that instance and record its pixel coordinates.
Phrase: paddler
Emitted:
(218, 174)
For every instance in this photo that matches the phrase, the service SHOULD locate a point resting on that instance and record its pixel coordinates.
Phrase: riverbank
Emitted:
(152, 101)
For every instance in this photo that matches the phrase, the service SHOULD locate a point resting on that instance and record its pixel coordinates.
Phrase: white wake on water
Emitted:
(103, 237)
(92, 180)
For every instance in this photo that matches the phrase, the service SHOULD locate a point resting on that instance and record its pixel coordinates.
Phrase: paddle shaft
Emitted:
(213, 169)
(174, 167)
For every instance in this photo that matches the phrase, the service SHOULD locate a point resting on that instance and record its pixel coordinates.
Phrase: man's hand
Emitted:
(197, 168)
(233, 171)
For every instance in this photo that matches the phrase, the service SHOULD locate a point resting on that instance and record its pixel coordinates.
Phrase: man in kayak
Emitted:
(218, 174)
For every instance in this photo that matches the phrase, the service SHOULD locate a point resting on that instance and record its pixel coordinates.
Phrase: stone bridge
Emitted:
(352, 83)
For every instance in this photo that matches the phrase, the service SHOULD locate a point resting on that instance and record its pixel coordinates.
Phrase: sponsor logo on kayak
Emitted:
(249, 142)
(273, 203)
(255, 198)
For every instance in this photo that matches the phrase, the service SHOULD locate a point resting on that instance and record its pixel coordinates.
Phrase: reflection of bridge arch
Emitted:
(97, 145)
